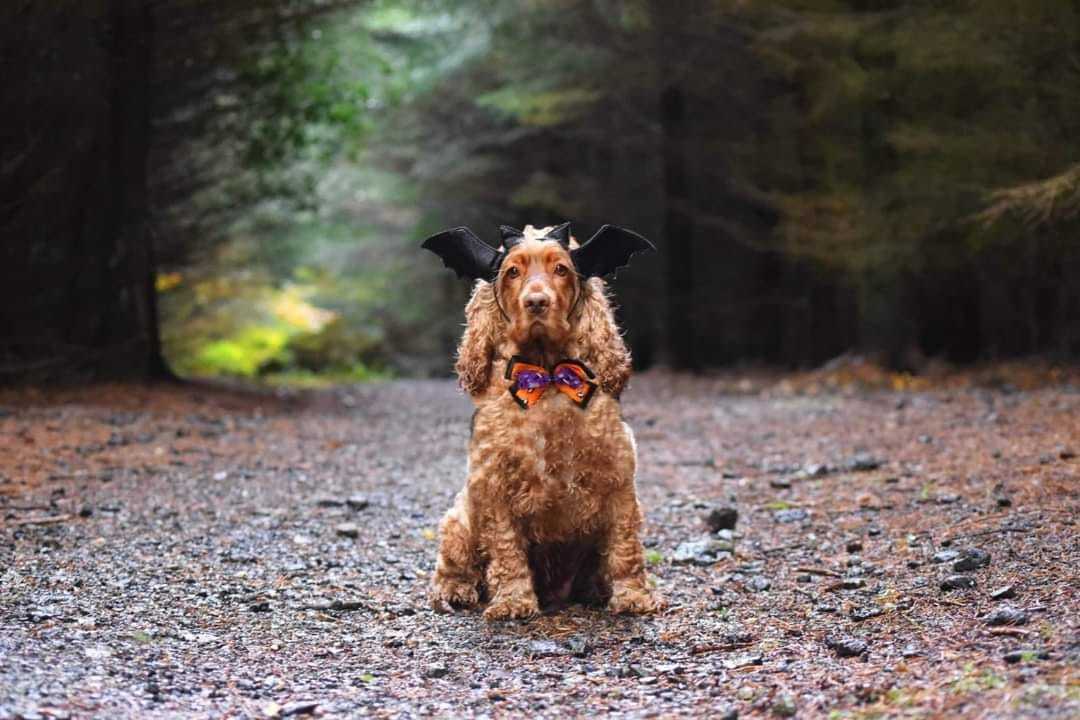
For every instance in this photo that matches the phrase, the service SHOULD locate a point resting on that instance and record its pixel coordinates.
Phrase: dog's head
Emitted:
(540, 290)
(537, 286)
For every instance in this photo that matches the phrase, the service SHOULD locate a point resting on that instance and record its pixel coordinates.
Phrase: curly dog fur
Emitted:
(549, 512)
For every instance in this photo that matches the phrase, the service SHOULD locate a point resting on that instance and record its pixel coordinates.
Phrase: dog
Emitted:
(549, 512)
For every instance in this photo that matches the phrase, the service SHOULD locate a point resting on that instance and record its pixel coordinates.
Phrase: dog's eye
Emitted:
(512, 272)
(561, 270)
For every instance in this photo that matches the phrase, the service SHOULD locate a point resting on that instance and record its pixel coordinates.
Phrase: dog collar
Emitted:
(529, 382)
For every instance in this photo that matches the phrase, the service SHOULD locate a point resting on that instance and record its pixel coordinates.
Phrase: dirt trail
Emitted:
(189, 552)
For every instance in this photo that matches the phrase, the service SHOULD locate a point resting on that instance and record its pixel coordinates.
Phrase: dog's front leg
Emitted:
(508, 576)
(624, 558)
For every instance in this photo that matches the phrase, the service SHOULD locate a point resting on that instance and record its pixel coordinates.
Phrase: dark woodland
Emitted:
(820, 179)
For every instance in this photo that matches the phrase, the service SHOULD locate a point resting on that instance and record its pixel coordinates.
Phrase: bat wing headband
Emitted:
(470, 257)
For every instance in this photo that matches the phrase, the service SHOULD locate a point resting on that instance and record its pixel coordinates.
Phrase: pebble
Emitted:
(1003, 593)
(852, 583)
(328, 501)
(1014, 656)
(865, 613)
(854, 546)
(744, 660)
(759, 583)
(971, 559)
(947, 499)
(910, 650)
(846, 646)
(944, 556)
(357, 502)
(299, 707)
(784, 706)
(349, 530)
(705, 551)
(545, 648)
(791, 515)
(722, 518)
(436, 670)
(862, 462)
(781, 483)
(957, 582)
(1007, 616)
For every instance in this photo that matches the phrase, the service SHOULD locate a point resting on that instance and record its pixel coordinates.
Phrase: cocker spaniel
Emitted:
(549, 512)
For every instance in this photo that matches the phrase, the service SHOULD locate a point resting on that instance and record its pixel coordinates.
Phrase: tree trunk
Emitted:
(77, 289)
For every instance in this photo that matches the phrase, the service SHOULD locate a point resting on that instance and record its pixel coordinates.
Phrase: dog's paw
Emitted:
(635, 601)
(511, 605)
(450, 594)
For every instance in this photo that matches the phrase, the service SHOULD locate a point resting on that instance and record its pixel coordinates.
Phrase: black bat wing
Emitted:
(608, 250)
(465, 254)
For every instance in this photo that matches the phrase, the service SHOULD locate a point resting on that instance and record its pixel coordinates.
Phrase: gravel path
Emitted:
(191, 552)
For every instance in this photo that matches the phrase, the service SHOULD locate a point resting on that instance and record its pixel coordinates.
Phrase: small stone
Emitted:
(791, 515)
(846, 646)
(703, 552)
(578, 646)
(1005, 592)
(873, 531)
(349, 530)
(972, 559)
(804, 578)
(865, 613)
(357, 502)
(300, 707)
(436, 670)
(722, 518)
(1004, 501)
(1025, 655)
(1066, 454)
(957, 582)
(1006, 616)
(260, 607)
(780, 483)
(854, 546)
(86, 511)
(759, 583)
(852, 583)
(826, 609)
(784, 706)
(744, 660)
(862, 462)
(545, 648)
(328, 501)
(944, 556)
(947, 498)
(910, 650)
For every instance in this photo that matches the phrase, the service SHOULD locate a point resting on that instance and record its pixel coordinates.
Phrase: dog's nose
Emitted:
(536, 303)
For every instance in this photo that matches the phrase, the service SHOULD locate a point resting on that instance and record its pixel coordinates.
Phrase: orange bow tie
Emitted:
(571, 377)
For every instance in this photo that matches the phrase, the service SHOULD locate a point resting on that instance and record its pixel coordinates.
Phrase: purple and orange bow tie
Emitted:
(571, 377)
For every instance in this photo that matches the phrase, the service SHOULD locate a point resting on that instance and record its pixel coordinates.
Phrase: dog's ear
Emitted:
(608, 250)
(477, 346)
(600, 344)
(465, 254)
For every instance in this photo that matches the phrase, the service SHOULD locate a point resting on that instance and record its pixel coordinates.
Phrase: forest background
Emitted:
(234, 188)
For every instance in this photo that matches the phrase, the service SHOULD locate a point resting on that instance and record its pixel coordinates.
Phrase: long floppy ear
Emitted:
(477, 346)
(607, 251)
(600, 344)
(465, 254)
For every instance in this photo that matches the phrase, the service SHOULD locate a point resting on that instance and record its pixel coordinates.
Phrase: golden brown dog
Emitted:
(549, 511)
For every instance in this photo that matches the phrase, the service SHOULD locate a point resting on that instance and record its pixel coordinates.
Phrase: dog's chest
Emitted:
(555, 463)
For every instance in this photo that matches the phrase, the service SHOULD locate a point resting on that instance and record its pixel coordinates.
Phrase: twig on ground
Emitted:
(49, 520)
